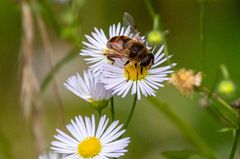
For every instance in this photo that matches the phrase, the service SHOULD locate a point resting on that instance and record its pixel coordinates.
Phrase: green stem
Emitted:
(224, 71)
(214, 83)
(157, 24)
(112, 109)
(150, 8)
(235, 143)
(210, 93)
(222, 116)
(235, 139)
(186, 129)
(49, 77)
(219, 99)
(224, 103)
(131, 112)
(166, 50)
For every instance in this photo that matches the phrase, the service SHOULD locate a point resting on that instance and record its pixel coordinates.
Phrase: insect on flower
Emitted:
(131, 48)
(123, 44)
(140, 80)
(125, 62)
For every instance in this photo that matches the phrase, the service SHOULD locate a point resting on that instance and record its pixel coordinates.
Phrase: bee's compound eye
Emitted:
(147, 60)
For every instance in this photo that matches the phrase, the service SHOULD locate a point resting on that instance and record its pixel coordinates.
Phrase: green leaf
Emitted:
(226, 129)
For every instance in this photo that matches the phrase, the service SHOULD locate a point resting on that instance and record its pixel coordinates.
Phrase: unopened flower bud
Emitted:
(226, 87)
(99, 105)
(155, 37)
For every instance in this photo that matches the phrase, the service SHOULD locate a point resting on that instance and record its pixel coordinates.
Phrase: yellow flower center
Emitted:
(134, 73)
(89, 147)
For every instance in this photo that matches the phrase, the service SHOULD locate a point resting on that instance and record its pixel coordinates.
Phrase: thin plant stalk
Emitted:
(29, 82)
(157, 25)
(38, 125)
(219, 99)
(49, 77)
(214, 83)
(131, 112)
(112, 109)
(186, 129)
(150, 8)
(235, 139)
(210, 94)
(30, 98)
(49, 51)
(225, 71)
(222, 116)
(235, 143)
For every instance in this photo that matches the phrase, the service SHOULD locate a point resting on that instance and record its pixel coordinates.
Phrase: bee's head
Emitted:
(147, 61)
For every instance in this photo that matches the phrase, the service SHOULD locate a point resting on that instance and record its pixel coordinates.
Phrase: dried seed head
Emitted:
(186, 80)
(29, 90)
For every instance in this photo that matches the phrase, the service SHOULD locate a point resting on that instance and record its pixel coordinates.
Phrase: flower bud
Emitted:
(155, 37)
(99, 105)
(226, 87)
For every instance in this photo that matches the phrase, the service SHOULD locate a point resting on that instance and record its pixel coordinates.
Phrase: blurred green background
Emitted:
(150, 131)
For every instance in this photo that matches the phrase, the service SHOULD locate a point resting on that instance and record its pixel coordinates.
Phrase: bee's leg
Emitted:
(127, 70)
(126, 63)
(135, 65)
(141, 70)
(111, 59)
(128, 76)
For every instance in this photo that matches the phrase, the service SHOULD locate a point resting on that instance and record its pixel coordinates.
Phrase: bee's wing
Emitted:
(129, 21)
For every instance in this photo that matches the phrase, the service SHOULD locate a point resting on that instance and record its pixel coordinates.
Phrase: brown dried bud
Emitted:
(186, 80)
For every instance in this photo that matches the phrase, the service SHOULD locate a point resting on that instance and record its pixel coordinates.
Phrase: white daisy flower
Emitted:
(140, 80)
(89, 88)
(96, 46)
(89, 141)
(50, 155)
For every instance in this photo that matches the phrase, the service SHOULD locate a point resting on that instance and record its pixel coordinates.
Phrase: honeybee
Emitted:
(131, 48)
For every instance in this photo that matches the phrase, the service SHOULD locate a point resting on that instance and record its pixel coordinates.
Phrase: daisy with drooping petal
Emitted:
(91, 141)
(89, 88)
(140, 80)
(50, 155)
(96, 46)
